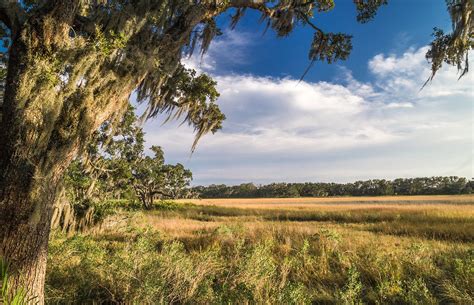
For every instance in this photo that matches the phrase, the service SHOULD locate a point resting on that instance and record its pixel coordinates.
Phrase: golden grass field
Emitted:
(359, 250)
(330, 202)
(440, 216)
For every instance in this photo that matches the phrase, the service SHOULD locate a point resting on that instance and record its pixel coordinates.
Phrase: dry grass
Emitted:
(176, 226)
(384, 250)
(308, 202)
(427, 218)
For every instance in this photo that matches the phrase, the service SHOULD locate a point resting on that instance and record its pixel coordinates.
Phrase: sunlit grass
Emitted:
(219, 254)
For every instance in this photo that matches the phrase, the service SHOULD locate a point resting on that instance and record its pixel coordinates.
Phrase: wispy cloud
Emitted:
(228, 51)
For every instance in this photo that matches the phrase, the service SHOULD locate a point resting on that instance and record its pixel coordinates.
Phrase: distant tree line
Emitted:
(375, 187)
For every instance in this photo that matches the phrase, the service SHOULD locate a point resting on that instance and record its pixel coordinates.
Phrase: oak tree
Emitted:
(153, 179)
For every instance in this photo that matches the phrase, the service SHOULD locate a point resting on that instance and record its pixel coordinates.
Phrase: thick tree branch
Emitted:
(253, 4)
(12, 15)
(156, 192)
(6, 13)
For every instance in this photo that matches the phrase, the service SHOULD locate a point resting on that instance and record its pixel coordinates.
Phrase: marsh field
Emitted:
(350, 250)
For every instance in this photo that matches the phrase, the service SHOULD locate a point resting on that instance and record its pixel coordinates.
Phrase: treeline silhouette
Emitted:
(375, 187)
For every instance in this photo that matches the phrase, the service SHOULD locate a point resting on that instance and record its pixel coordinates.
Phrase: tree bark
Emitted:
(25, 225)
(36, 148)
(31, 172)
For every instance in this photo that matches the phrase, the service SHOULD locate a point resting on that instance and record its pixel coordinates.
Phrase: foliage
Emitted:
(101, 173)
(110, 156)
(115, 167)
(453, 48)
(351, 294)
(402, 186)
(153, 178)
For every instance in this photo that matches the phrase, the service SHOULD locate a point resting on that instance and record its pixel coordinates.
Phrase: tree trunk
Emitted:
(148, 201)
(38, 140)
(25, 225)
(33, 160)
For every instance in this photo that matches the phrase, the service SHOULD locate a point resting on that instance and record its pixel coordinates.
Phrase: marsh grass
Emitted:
(196, 254)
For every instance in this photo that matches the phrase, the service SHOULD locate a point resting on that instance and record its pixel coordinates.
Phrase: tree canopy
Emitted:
(116, 167)
(453, 48)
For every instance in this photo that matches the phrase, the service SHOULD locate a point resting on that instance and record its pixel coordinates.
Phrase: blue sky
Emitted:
(359, 119)
(398, 26)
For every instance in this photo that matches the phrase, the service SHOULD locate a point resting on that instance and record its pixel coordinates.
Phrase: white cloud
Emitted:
(407, 64)
(278, 129)
(399, 105)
